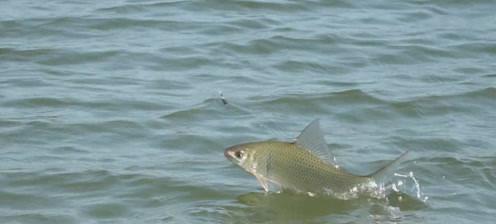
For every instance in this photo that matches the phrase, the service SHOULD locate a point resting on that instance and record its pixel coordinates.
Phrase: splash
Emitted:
(370, 189)
(407, 183)
(400, 184)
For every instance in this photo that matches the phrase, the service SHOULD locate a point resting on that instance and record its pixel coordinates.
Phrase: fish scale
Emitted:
(305, 172)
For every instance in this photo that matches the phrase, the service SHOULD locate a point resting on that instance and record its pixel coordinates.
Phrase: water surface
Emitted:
(110, 110)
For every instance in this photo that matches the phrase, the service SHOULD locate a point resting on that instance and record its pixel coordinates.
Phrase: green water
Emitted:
(110, 110)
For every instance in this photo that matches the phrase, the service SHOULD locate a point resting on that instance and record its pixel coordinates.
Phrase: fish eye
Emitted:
(239, 154)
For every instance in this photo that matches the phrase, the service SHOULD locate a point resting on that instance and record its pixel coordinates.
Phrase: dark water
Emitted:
(110, 110)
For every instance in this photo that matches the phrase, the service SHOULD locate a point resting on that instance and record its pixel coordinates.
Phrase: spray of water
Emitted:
(397, 186)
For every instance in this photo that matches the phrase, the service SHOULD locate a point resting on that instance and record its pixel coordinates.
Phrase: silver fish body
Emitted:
(298, 166)
(291, 167)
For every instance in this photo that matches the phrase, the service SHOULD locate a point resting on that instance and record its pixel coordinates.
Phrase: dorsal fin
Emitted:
(312, 139)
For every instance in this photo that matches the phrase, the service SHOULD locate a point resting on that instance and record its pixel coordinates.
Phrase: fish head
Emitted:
(243, 155)
(237, 153)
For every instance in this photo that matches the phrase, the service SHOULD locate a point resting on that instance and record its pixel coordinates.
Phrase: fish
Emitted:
(304, 164)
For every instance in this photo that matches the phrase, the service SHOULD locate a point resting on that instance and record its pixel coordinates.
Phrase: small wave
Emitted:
(412, 54)
(117, 130)
(37, 102)
(476, 48)
(185, 63)
(67, 57)
(61, 150)
(64, 102)
(211, 108)
(490, 75)
(5, 123)
(23, 201)
(442, 104)
(111, 24)
(288, 206)
(141, 7)
(427, 143)
(486, 93)
(36, 217)
(277, 43)
(252, 6)
(351, 96)
(251, 24)
(309, 67)
(15, 54)
(106, 210)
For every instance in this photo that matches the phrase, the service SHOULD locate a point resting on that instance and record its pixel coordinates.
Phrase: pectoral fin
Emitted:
(263, 182)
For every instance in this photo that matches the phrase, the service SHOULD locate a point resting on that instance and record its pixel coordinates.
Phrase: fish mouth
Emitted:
(229, 154)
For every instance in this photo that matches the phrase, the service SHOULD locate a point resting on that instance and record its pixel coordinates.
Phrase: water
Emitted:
(110, 110)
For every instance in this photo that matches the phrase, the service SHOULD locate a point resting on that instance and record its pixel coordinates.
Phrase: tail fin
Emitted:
(381, 174)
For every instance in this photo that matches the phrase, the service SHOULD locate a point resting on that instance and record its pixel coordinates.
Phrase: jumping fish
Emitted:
(304, 165)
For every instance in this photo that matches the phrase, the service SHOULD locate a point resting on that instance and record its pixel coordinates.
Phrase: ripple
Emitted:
(352, 96)
(211, 108)
(39, 218)
(57, 102)
(71, 58)
(254, 6)
(427, 144)
(477, 48)
(487, 93)
(308, 66)
(38, 102)
(250, 24)
(106, 210)
(281, 44)
(142, 7)
(185, 63)
(24, 201)
(13, 54)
